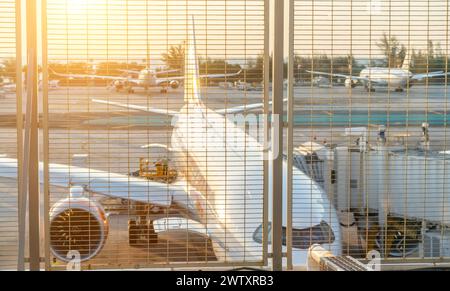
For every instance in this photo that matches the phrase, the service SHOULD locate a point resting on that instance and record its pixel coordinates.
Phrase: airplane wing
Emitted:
(354, 78)
(149, 192)
(129, 71)
(418, 77)
(99, 77)
(232, 110)
(151, 73)
(104, 183)
(137, 107)
(121, 186)
(212, 76)
(243, 108)
(207, 76)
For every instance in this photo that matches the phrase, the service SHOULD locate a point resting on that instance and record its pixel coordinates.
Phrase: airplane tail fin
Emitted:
(407, 62)
(191, 68)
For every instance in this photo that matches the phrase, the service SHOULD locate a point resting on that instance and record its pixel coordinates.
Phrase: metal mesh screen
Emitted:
(152, 132)
(8, 133)
(370, 124)
(147, 165)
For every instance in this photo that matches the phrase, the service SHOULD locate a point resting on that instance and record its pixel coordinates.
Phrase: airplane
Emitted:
(146, 79)
(397, 79)
(218, 190)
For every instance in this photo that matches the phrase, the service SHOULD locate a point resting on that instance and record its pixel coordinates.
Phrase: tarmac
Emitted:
(104, 137)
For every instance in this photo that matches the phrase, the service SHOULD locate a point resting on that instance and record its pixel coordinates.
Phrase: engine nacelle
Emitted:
(77, 224)
(174, 84)
(349, 83)
(118, 85)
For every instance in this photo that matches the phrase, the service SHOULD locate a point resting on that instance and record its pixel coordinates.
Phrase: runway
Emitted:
(108, 138)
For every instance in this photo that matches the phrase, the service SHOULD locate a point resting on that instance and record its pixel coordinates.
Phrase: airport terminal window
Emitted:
(301, 238)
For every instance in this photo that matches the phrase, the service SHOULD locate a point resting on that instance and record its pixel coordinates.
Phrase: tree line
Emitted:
(421, 61)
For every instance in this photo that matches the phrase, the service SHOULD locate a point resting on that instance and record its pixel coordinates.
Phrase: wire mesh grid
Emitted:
(176, 173)
(150, 165)
(370, 122)
(8, 132)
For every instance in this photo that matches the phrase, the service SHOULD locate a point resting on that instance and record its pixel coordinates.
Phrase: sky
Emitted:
(140, 30)
(341, 27)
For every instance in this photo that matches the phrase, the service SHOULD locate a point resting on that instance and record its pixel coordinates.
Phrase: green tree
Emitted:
(393, 50)
(8, 69)
(219, 66)
(254, 73)
(174, 58)
(429, 60)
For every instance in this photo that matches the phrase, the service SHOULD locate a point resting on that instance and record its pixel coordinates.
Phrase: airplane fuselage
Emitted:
(394, 79)
(148, 79)
(222, 161)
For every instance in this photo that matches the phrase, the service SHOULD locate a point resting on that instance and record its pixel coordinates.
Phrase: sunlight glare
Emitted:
(76, 6)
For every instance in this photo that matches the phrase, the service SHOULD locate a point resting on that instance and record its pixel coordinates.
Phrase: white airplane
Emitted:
(145, 78)
(397, 79)
(218, 190)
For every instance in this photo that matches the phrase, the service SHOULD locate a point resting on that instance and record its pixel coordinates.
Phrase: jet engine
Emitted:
(118, 85)
(349, 83)
(174, 84)
(77, 224)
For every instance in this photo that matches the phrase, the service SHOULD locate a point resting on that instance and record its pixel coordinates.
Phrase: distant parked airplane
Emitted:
(146, 79)
(396, 79)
